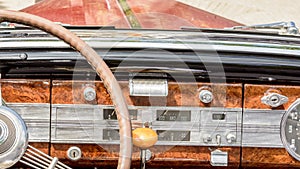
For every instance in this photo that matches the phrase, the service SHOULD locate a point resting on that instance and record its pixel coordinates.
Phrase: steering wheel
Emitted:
(97, 63)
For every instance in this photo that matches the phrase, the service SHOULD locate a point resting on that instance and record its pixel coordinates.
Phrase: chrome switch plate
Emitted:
(148, 87)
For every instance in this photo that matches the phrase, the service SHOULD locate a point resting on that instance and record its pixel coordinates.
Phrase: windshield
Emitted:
(157, 14)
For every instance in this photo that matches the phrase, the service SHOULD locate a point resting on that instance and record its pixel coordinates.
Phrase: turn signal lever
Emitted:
(144, 138)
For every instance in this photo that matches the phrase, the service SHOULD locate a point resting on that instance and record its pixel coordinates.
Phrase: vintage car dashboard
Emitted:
(214, 97)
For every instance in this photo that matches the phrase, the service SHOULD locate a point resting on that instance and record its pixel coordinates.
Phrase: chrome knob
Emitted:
(206, 96)
(207, 139)
(89, 94)
(230, 138)
(218, 139)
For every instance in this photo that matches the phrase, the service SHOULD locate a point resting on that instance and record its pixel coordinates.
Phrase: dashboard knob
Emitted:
(218, 139)
(206, 96)
(144, 137)
(207, 139)
(230, 138)
(89, 94)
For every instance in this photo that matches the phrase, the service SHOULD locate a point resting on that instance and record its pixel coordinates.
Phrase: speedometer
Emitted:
(290, 130)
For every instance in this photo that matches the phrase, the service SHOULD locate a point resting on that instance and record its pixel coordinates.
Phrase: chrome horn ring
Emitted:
(4, 132)
(13, 137)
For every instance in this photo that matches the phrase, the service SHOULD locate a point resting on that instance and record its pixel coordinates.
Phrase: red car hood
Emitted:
(128, 14)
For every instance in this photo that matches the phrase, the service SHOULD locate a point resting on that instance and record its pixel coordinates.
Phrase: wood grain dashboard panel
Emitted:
(162, 156)
(180, 94)
(25, 91)
(254, 93)
(267, 157)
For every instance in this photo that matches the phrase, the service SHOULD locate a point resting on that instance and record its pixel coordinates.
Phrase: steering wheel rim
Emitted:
(97, 64)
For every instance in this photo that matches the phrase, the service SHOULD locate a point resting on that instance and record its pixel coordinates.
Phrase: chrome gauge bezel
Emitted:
(282, 129)
(18, 148)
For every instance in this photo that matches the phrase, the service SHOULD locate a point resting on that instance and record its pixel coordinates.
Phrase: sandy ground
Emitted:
(251, 12)
(15, 4)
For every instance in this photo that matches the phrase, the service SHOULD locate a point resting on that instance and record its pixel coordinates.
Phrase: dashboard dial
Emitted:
(290, 130)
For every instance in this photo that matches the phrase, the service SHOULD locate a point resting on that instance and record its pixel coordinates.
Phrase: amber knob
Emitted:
(144, 137)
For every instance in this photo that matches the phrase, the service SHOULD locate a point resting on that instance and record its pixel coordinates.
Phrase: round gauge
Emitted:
(290, 130)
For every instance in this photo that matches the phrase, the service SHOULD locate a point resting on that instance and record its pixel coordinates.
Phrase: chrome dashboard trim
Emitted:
(204, 45)
(71, 125)
(78, 127)
(263, 131)
(37, 119)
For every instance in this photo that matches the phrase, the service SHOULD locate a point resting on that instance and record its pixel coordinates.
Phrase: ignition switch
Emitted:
(274, 99)
(74, 153)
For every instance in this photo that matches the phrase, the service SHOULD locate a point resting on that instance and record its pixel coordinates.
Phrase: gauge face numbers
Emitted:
(290, 130)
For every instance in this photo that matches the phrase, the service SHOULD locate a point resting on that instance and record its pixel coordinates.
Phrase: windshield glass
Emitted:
(157, 14)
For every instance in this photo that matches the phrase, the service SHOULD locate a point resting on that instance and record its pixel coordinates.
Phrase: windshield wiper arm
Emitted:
(287, 28)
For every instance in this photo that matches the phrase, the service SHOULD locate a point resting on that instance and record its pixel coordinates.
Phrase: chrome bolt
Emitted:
(23, 56)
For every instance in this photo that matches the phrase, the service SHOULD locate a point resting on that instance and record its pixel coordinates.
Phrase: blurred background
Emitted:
(247, 12)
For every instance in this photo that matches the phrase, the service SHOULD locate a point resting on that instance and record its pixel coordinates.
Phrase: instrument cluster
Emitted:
(72, 115)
